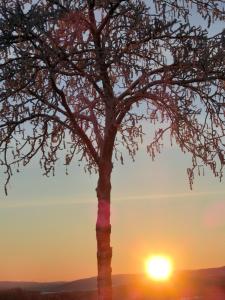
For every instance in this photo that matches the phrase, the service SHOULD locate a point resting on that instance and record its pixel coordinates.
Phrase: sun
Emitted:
(159, 267)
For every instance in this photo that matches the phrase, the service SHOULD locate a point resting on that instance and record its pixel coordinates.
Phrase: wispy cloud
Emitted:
(43, 203)
(84, 201)
(170, 196)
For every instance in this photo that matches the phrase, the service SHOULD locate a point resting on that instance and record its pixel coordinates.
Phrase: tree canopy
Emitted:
(75, 74)
(86, 76)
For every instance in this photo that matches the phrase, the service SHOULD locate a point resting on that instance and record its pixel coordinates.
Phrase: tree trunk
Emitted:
(103, 231)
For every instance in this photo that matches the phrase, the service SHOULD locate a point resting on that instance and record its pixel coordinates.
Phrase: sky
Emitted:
(47, 225)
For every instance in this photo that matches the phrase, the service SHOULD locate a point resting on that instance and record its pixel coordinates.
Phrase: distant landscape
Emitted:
(204, 284)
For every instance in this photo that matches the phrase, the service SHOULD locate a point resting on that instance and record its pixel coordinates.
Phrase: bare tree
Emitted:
(85, 75)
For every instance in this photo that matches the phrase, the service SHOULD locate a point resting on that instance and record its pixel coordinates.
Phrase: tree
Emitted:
(85, 75)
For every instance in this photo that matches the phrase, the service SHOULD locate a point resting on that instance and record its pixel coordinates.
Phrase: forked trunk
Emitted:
(103, 231)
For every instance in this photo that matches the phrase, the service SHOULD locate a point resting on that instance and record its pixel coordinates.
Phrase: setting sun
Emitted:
(159, 268)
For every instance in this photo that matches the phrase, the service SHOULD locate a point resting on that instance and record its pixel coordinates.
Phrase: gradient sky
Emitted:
(47, 224)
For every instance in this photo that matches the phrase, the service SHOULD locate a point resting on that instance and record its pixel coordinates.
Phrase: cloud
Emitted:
(84, 201)
(43, 203)
(170, 196)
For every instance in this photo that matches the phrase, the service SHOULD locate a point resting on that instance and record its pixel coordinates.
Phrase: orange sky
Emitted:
(47, 225)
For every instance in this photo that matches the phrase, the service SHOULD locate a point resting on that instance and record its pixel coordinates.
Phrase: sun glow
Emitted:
(159, 268)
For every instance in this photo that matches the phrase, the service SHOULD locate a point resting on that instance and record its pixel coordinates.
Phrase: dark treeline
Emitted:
(183, 289)
(19, 294)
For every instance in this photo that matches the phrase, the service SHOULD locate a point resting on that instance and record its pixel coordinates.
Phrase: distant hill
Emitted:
(211, 272)
(86, 284)
(208, 283)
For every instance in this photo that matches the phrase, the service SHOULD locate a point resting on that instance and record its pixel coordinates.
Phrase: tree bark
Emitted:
(103, 231)
(104, 251)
